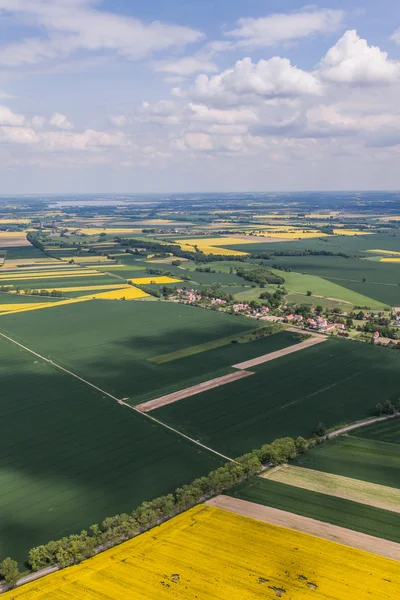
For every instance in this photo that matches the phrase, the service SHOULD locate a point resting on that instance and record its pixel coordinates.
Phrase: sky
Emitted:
(122, 96)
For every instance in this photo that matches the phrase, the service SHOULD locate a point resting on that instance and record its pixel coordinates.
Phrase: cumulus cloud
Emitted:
(72, 25)
(275, 77)
(352, 61)
(284, 27)
(205, 114)
(7, 117)
(60, 121)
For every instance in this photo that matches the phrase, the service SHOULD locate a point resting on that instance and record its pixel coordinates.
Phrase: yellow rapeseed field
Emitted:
(7, 234)
(213, 245)
(18, 307)
(90, 288)
(154, 279)
(22, 277)
(390, 260)
(129, 293)
(294, 234)
(211, 554)
(44, 273)
(39, 306)
(351, 232)
(391, 252)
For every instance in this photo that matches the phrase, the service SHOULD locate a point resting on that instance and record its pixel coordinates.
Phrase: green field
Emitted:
(382, 279)
(6, 298)
(334, 382)
(69, 457)
(337, 511)
(387, 431)
(110, 343)
(366, 459)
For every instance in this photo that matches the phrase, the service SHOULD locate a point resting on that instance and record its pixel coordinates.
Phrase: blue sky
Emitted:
(163, 96)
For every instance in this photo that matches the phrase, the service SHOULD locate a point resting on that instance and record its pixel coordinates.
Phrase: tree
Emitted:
(320, 430)
(309, 293)
(301, 445)
(349, 323)
(9, 571)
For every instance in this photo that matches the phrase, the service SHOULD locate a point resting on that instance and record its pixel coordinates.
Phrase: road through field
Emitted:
(191, 391)
(279, 353)
(341, 535)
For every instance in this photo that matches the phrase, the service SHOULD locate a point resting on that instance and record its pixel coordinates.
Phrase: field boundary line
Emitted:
(121, 402)
(278, 353)
(192, 391)
(337, 486)
(308, 526)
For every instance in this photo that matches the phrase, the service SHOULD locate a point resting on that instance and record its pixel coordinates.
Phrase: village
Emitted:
(354, 325)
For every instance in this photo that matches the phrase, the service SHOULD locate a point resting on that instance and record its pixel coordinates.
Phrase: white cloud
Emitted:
(201, 112)
(352, 61)
(87, 140)
(118, 120)
(60, 121)
(275, 77)
(18, 135)
(7, 117)
(284, 27)
(193, 141)
(72, 25)
(188, 65)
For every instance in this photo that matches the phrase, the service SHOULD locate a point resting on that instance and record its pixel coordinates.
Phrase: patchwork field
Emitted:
(249, 560)
(359, 458)
(70, 456)
(335, 382)
(111, 343)
(322, 507)
(380, 496)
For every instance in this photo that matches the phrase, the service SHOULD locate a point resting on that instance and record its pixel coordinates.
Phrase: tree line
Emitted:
(114, 530)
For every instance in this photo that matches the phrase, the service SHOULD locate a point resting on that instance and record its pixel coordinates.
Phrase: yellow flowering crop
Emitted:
(129, 293)
(155, 279)
(39, 306)
(209, 554)
(90, 288)
(390, 260)
(351, 232)
(7, 234)
(392, 252)
(23, 277)
(213, 245)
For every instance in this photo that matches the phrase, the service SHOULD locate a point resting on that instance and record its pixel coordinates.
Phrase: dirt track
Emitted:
(284, 352)
(191, 391)
(341, 535)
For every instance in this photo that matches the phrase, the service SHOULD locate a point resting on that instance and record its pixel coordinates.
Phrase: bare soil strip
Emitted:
(191, 391)
(340, 535)
(356, 490)
(284, 352)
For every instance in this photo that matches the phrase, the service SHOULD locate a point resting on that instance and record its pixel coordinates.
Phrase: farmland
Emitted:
(361, 458)
(110, 398)
(115, 356)
(250, 559)
(335, 382)
(322, 507)
(70, 456)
